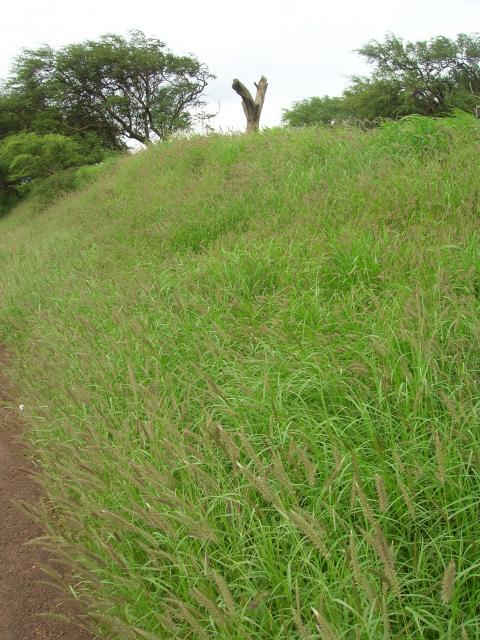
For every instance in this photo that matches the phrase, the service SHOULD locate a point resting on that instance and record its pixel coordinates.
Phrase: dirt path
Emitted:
(22, 596)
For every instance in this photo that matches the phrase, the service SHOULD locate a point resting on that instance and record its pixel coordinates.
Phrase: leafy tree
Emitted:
(27, 157)
(314, 111)
(27, 101)
(425, 77)
(422, 70)
(30, 101)
(371, 99)
(118, 88)
(466, 64)
(10, 115)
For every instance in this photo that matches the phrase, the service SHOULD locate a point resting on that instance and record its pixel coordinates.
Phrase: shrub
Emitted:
(62, 182)
(28, 156)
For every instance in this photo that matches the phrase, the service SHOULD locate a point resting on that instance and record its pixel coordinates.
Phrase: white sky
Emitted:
(304, 47)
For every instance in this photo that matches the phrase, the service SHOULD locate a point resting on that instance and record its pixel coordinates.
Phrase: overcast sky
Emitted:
(304, 47)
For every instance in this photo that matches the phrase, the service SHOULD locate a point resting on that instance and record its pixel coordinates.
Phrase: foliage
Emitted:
(251, 369)
(118, 88)
(46, 191)
(427, 71)
(43, 165)
(28, 156)
(425, 77)
(8, 194)
(314, 111)
(371, 100)
(28, 102)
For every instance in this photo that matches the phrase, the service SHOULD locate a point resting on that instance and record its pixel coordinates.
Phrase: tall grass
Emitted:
(251, 369)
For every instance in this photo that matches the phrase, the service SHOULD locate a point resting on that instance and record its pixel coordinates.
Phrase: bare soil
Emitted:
(24, 600)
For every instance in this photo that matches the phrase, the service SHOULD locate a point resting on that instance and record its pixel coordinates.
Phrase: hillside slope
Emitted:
(250, 364)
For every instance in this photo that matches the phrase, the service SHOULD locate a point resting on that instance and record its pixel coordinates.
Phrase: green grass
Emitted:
(250, 365)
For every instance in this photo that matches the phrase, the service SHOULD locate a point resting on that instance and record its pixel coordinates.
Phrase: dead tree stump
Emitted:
(252, 108)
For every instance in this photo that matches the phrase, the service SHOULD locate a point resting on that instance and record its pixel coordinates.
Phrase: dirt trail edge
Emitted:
(22, 596)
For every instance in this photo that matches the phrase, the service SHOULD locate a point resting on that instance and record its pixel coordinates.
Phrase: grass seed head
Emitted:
(326, 631)
(311, 530)
(448, 582)
(381, 493)
(439, 455)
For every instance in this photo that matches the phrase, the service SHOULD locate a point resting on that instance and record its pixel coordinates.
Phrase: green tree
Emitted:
(120, 88)
(431, 75)
(314, 111)
(466, 63)
(27, 157)
(372, 99)
(426, 77)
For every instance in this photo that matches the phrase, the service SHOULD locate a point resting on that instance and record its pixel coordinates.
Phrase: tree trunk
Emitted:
(477, 111)
(252, 108)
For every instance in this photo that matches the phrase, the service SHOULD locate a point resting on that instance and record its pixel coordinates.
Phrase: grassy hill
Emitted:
(250, 365)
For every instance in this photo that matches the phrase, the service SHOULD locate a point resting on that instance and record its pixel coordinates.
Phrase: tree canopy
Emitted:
(314, 111)
(425, 77)
(117, 88)
(28, 156)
